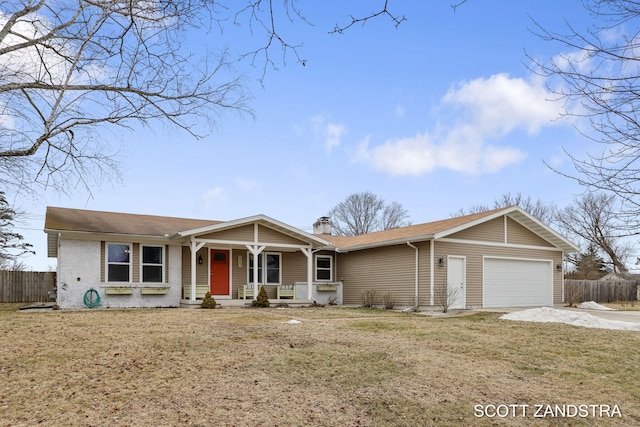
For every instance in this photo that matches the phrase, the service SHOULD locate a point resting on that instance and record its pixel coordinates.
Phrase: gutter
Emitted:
(416, 300)
(393, 242)
(165, 238)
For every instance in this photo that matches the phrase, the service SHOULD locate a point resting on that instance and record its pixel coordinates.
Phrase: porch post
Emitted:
(255, 251)
(195, 247)
(308, 252)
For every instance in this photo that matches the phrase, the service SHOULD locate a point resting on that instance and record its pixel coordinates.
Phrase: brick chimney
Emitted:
(322, 225)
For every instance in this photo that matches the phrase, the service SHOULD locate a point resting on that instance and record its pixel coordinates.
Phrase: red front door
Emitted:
(219, 279)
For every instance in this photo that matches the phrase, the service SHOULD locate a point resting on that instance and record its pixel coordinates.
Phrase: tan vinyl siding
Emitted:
(424, 273)
(474, 266)
(135, 259)
(238, 270)
(243, 234)
(519, 235)
(490, 231)
(294, 267)
(202, 270)
(269, 235)
(390, 268)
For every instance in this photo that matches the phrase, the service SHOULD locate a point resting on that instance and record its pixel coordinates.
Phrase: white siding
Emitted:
(79, 264)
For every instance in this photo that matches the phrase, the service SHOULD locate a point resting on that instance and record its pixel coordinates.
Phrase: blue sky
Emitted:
(438, 114)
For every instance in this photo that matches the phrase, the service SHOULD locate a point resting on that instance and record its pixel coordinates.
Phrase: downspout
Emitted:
(561, 278)
(431, 271)
(416, 300)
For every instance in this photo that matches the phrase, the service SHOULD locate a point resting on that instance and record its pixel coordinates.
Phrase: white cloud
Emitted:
(213, 195)
(246, 184)
(330, 133)
(500, 104)
(333, 135)
(483, 110)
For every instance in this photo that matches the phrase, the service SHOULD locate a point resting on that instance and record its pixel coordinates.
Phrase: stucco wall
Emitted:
(79, 266)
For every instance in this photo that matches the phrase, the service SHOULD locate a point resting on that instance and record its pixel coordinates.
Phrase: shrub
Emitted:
(208, 301)
(332, 299)
(368, 298)
(388, 300)
(262, 300)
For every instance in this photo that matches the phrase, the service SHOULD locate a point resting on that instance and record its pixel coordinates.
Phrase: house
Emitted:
(499, 258)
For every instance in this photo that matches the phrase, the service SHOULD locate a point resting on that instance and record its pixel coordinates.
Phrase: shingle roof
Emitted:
(63, 219)
(412, 232)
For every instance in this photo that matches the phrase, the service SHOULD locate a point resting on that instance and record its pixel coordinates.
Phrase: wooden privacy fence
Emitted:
(577, 291)
(26, 286)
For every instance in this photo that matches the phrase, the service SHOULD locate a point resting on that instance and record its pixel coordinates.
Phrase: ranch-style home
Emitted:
(500, 258)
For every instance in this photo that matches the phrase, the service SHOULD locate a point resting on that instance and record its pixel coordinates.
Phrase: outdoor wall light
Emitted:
(199, 259)
(441, 261)
(559, 267)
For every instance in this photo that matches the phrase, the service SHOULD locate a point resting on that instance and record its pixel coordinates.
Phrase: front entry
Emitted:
(219, 272)
(456, 283)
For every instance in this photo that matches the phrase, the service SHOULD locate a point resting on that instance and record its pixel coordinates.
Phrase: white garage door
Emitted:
(517, 283)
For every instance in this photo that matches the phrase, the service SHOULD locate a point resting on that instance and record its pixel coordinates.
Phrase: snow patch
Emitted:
(576, 318)
(591, 305)
(293, 322)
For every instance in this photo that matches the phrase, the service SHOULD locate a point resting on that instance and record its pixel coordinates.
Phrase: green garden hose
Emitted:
(92, 298)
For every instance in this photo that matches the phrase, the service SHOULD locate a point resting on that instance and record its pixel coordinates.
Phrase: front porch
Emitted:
(226, 303)
(231, 259)
(297, 294)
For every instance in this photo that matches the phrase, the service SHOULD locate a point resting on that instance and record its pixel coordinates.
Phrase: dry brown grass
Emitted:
(339, 367)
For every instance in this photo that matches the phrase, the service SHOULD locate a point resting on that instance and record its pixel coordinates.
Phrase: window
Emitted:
(273, 268)
(118, 262)
(152, 264)
(251, 268)
(272, 273)
(323, 267)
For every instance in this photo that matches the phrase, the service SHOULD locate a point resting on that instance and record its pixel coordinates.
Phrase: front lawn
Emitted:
(338, 367)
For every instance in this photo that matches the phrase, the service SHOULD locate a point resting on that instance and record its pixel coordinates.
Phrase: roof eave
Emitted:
(402, 241)
(107, 234)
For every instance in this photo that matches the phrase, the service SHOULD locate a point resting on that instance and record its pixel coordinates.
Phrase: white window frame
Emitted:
(265, 268)
(262, 279)
(315, 269)
(143, 264)
(107, 263)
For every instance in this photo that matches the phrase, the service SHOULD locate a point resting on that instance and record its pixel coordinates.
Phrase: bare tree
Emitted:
(11, 244)
(596, 75)
(71, 70)
(445, 296)
(593, 218)
(362, 213)
(544, 212)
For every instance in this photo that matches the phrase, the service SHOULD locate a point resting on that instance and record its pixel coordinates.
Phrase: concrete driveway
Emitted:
(623, 316)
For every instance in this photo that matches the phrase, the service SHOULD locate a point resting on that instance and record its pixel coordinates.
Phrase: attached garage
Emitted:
(510, 282)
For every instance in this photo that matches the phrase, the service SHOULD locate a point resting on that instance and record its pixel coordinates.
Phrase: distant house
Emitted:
(500, 258)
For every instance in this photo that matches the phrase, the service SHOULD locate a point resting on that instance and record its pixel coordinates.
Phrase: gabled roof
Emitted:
(444, 228)
(60, 220)
(260, 219)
